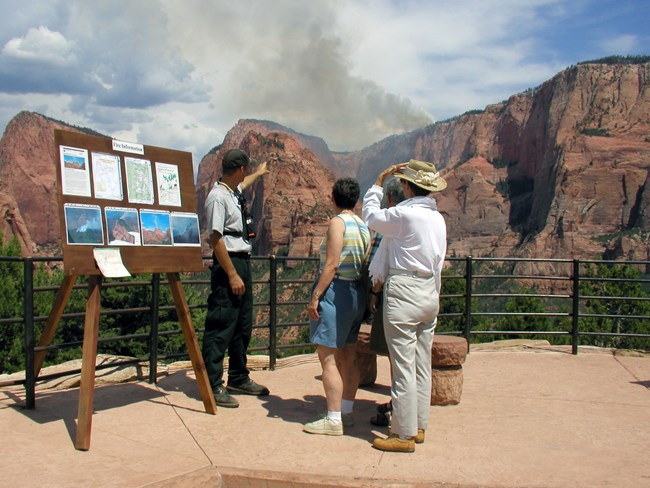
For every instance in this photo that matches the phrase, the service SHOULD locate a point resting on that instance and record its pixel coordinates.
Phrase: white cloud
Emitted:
(42, 45)
(428, 50)
(180, 74)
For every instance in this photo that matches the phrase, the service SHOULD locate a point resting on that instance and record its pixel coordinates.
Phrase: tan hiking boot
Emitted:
(393, 443)
(419, 439)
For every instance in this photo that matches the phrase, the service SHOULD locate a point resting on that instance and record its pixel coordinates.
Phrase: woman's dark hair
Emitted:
(346, 193)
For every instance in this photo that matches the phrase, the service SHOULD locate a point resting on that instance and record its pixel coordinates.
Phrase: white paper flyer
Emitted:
(169, 188)
(109, 261)
(107, 176)
(75, 174)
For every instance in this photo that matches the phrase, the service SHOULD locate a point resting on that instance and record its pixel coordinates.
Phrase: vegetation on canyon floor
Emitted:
(515, 308)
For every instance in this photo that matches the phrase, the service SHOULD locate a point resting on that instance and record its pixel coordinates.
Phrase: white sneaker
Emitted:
(324, 426)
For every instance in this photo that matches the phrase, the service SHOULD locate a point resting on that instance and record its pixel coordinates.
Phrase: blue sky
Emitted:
(180, 73)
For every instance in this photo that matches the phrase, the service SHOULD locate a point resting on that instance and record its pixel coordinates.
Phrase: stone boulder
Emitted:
(448, 353)
(448, 350)
(446, 385)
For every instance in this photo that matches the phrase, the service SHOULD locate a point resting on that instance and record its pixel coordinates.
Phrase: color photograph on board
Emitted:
(185, 229)
(156, 228)
(83, 224)
(122, 226)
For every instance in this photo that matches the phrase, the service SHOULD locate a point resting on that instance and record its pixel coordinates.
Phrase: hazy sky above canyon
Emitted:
(180, 73)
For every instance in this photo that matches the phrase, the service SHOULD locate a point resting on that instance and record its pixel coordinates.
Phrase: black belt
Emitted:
(241, 255)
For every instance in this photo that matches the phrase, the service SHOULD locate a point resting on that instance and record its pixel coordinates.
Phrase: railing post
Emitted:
(28, 314)
(273, 308)
(468, 299)
(155, 320)
(576, 306)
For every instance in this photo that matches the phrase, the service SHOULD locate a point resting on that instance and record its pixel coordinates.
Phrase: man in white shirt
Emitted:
(415, 238)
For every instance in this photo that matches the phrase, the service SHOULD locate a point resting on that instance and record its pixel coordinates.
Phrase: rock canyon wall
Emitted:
(559, 171)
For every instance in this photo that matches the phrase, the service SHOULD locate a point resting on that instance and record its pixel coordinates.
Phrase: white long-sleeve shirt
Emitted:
(416, 231)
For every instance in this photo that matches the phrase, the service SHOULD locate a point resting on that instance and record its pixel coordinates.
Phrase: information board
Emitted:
(127, 202)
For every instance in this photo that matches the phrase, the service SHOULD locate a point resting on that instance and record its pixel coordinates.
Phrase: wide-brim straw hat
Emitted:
(422, 174)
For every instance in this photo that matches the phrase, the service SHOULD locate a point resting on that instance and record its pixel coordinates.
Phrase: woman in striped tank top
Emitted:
(337, 306)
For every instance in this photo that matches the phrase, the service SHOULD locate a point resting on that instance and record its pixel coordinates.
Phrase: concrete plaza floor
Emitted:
(531, 417)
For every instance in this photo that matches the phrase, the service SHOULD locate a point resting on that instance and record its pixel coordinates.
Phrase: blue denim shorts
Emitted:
(341, 309)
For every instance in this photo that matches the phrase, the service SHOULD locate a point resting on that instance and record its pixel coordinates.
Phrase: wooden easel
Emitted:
(78, 260)
(89, 350)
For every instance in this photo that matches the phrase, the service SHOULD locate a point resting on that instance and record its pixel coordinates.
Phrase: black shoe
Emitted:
(381, 420)
(385, 407)
(248, 388)
(223, 399)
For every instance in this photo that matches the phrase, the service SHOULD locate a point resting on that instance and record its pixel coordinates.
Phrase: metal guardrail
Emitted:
(476, 299)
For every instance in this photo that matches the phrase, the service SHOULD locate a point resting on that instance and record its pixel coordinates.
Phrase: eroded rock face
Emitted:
(28, 177)
(12, 224)
(560, 171)
(589, 185)
(290, 204)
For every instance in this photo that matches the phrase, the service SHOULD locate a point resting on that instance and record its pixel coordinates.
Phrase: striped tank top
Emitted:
(356, 239)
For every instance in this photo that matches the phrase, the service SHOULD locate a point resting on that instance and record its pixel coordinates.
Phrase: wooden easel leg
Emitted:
(185, 320)
(62, 297)
(89, 357)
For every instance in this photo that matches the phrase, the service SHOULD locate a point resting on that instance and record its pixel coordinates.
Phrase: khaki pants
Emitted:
(411, 306)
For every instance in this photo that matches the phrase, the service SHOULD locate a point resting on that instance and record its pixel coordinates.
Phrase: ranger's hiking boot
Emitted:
(248, 387)
(223, 399)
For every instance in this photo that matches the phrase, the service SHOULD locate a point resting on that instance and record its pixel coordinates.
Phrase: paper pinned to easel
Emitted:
(109, 261)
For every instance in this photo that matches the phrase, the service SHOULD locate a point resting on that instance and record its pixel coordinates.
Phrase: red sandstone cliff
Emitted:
(559, 171)
(28, 202)
(290, 204)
